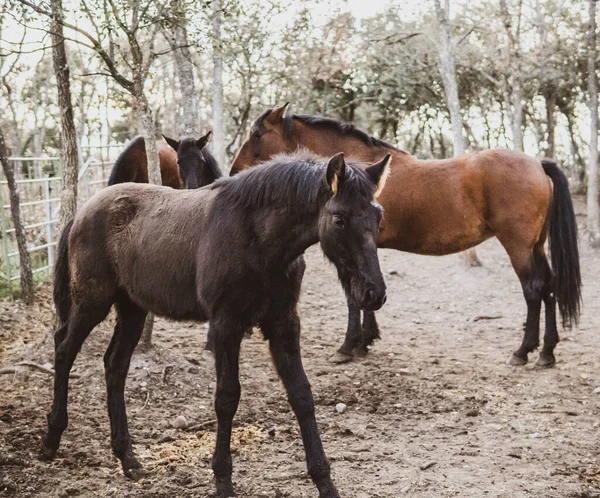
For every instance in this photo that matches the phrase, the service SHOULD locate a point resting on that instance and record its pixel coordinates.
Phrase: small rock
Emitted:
(166, 439)
(180, 422)
(271, 432)
(472, 413)
(194, 370)
(340, 408)
(427, 465)
(596, 391)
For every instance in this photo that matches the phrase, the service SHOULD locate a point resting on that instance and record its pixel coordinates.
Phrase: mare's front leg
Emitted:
(284, 340)
(370, 332)
(354, 334)
(227, 337)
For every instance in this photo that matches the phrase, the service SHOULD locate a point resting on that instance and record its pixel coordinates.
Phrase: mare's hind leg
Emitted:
(353, 337)
(370, 332)
(68, 341)
(128, 330)
(546, 358)
(532, 283)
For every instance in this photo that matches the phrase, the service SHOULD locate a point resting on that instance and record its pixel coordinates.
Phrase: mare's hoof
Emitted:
(516, 361)
(330, 493)
(546, 360)
(341, 357)
(135, 474)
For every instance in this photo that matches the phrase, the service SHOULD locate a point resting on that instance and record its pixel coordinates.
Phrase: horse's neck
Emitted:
(286, 233)
(330, 142)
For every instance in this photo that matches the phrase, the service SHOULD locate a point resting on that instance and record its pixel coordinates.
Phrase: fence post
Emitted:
(4, 228)
(49, 228)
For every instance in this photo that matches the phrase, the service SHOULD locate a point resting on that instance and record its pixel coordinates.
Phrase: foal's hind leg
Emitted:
(129, 327)
(227, 340)
(68, 341)
(353, 337)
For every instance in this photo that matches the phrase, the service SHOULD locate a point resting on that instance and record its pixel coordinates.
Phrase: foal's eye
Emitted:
(338, 221)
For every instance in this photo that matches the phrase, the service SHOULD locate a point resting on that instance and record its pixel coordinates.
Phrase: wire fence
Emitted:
(39, 183)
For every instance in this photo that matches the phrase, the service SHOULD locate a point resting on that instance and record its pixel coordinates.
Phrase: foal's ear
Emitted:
(202, 141)
(379, 172)
(172, 142)
(277, 114)
(336, 172)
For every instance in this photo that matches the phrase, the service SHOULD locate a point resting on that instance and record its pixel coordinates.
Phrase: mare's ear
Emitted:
(202, 141)
(172, 142)
(379, 172)
(277, 114)
(336, 172)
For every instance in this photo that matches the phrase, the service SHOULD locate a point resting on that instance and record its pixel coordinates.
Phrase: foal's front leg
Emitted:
(284, 339)
(227, 339)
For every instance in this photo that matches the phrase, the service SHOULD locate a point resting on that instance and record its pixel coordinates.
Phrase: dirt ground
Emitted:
(433, 411)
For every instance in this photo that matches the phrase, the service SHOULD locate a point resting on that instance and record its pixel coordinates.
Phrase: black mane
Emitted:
(294, 180)
(332, 124)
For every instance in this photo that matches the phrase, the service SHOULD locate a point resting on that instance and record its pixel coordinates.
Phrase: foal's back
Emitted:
(142, 239)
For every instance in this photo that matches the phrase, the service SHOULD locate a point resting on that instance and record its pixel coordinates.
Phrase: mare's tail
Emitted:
(564, 252)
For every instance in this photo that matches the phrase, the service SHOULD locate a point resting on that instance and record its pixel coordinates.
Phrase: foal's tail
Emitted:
(563, 247)
(62, 276)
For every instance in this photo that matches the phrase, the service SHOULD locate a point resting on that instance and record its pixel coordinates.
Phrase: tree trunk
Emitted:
(178, 39)
(27, 289)
(592, 187)
(70, 157)
(514, 62)
(550, 98)
(217, 87)
(448, 72)
(149, 132)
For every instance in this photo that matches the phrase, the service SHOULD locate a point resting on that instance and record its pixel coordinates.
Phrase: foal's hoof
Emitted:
(516, 361)
(47, 454)
(546, 360)
(135, 474)
(360, 351)
(341, 357)
(225, 490)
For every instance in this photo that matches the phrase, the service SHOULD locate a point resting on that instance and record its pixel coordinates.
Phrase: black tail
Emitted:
(62, 276)
(563, 247)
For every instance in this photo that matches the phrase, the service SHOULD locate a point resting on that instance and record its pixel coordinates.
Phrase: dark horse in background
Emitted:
(150, 248)
(186, 163)
(439, 207)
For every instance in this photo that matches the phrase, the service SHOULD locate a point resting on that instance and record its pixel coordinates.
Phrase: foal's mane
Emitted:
(294, 180)
(333, 124)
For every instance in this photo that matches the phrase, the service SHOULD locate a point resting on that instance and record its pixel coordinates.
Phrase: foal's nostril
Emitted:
(371, 297)
(384, 300)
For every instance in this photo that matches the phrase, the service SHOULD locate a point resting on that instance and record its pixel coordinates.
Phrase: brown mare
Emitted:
(150, 248)
(186, 163)
(440, 207)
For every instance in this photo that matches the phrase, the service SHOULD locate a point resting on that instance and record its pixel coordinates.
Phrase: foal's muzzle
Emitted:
(372, 299)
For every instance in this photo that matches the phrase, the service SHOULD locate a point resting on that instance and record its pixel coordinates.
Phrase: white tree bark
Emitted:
(448, 72)
(514, 63)
(70, 151)
(178, 39)
(218, 139)
(592, 190)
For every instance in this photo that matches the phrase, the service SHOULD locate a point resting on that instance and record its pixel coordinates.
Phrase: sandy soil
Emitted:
(433, 411)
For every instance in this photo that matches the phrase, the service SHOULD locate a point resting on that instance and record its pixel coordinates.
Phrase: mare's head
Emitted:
(265, 140)
(349, 227)
(276, 131)
(197, 166)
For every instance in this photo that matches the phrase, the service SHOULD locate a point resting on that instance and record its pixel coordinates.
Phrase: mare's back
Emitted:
(131, 165)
